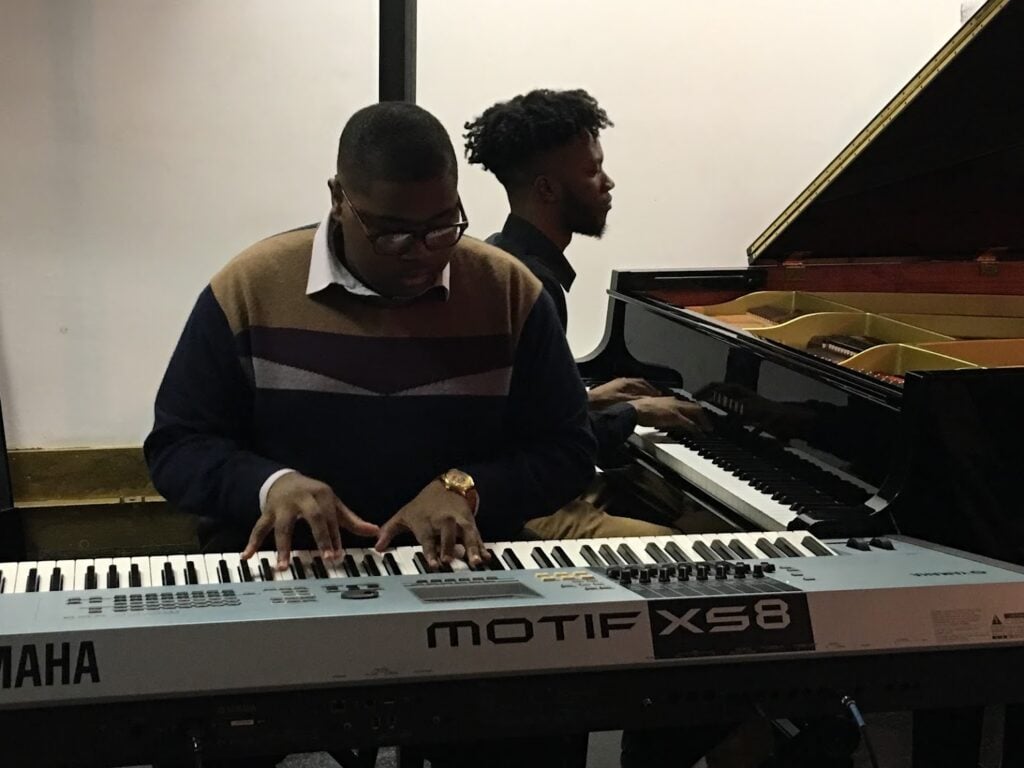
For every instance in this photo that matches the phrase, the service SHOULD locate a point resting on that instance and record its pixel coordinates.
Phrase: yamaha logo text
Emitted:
(48, 664)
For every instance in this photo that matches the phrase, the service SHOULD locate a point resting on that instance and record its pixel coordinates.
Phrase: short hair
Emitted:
(394, 141)
(509, 135)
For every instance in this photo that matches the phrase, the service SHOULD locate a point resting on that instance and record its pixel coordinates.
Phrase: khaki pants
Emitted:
(586, 518)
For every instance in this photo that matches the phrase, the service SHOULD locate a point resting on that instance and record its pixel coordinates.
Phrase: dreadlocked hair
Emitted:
(508, 135)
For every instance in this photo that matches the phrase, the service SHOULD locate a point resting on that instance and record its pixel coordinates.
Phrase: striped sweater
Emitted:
(373, 399)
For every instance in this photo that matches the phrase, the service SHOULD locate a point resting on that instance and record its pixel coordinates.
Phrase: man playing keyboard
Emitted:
(375, 375)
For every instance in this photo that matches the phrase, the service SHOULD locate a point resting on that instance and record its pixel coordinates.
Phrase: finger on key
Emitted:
(476, 552)
(448, 540)
(283, 539)
(259, 533)
(321, 526)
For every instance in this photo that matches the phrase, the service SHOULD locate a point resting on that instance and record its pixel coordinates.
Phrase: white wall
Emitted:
(724, 110)
(144, 142)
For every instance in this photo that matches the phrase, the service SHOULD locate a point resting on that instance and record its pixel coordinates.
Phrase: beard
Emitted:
(583, 219)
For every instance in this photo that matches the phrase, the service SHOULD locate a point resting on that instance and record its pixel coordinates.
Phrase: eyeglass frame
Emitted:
(462, 225)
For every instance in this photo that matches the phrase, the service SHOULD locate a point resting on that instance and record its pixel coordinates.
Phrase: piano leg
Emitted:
(947, 738)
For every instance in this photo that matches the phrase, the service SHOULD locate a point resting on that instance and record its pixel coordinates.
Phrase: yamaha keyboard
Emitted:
(656, 631)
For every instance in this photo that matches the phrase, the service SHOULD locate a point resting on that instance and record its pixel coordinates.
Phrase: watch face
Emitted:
(458, 480)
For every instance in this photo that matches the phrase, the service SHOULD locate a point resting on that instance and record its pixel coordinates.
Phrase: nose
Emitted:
(608, 183)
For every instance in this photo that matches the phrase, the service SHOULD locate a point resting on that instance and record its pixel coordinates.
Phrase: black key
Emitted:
(298, 569)
(705, 551)
(3, 582)
(815, 546)
(860, 544)
(56, 582)
(881, 542)
(90, 578)
(768, 548)
(629, 555)
(609, 555)
(191, 576)
(223, 574)
(32, 581)
(421, 563)
(741, 550)
(786, 548)
(370, 565)
(113, 577)
(266, 569)
(541, 558)
(167, 576)
(510, 558)
(391, 565)
(656, 553)
(243, 569)
(676, 553)
(444, 567)
(494, 563)
(135, 576)
(562, 558)
(351, 567)
(591, 556)
(721, 550)
(319, 568)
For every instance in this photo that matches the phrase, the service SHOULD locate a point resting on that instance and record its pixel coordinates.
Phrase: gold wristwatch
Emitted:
(457, 481)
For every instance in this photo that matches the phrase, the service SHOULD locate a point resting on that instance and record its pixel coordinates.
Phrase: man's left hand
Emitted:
(440, 520)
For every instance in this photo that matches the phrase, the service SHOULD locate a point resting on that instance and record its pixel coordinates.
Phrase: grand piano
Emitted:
(863, 374)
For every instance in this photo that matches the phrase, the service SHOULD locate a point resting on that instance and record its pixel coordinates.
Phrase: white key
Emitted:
(124, 567)
(233, 562)
(754, 505)
(305, 558)
(8, 571)
(81, 569)
(102, 565)
(378, 561)
(44, 569)
(211, 561)
(25, 569)
(402, 559)
(271, 557)
(143, 565)
(199, 563)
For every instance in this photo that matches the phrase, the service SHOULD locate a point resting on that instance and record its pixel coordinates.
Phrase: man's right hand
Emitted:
(619, 391)
(670, 413)
(293, 497)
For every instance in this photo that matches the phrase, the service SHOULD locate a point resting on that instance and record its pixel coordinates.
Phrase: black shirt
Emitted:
(611, 425)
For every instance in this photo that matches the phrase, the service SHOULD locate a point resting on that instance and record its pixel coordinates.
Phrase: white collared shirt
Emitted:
(325, 268)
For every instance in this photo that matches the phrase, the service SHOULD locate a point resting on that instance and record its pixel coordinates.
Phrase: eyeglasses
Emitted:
(398, 243)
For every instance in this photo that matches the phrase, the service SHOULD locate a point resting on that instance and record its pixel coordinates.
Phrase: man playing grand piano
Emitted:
(376, 375)
(545, 150)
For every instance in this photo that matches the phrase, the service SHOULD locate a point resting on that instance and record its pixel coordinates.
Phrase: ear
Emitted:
(547, 189)
(336, 199)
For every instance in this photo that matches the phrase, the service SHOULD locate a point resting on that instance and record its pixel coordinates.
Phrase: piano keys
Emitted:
(119, 573)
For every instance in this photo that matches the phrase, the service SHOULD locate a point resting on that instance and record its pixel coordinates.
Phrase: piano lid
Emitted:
(939, 172)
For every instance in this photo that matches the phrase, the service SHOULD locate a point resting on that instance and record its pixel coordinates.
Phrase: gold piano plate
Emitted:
(764, 309)
(891, 362)
(798, 333)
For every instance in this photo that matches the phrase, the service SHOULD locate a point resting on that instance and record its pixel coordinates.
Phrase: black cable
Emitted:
(850, 704)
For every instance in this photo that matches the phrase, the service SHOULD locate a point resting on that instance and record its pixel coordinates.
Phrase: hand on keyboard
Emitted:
(295, 496)
(440, 520)
(619, 391)
(670, 413)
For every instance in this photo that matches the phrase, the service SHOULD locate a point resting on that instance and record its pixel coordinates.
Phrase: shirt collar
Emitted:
(326, 268)
(522, 236)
